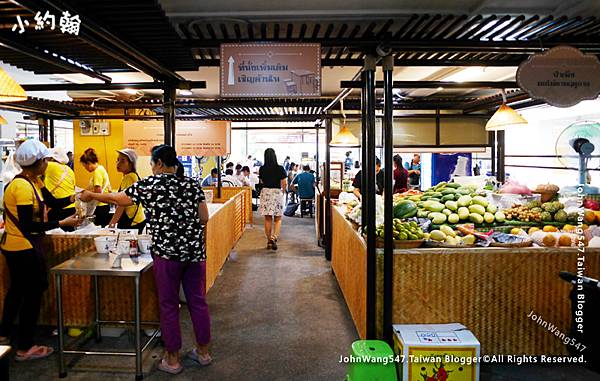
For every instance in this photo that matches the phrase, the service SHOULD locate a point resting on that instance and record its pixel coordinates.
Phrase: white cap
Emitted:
(31, 151)
(59, 154)
(131, 155)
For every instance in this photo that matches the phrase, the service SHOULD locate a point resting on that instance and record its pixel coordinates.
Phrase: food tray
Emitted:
(431, 243)
(525, 243)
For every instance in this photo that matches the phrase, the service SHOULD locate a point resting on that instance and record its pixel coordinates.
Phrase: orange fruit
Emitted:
(549, 240)
(597, 213)
(589, 217)
(533, 230)
(550, 228)
(564, 240)
(584, 226)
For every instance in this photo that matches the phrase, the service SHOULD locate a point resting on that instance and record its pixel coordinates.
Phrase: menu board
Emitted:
(192, 138)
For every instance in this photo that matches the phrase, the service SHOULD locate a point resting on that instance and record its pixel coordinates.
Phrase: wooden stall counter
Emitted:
(224, 228)
(495, 292)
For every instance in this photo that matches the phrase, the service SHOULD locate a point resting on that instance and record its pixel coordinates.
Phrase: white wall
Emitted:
(539, 138)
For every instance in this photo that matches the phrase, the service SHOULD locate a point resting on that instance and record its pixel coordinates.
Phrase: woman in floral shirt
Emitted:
(176, 213)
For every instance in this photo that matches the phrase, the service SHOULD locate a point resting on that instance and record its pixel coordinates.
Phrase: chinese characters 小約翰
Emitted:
(67, 23)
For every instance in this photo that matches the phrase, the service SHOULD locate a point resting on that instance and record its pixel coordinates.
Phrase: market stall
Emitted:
(225, 226)
(458, 270)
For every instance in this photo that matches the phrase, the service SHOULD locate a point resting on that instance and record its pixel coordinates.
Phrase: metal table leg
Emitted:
(62, 370)
(97, 310)
(138, 339)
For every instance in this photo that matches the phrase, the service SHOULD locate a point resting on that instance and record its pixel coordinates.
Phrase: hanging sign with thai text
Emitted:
(192, 138)
(562, 77)
(270, 70)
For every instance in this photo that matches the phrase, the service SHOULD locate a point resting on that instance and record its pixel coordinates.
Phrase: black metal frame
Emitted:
(388, 250)
(368, 193)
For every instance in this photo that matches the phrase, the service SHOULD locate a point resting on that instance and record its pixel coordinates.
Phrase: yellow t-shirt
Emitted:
(52, 179)
(19, 192)
(128, 180)
(100, 179)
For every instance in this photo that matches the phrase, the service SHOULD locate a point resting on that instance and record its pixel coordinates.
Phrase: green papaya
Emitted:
(464, 200)
(448, 197)
(463, 213)
(434, 206)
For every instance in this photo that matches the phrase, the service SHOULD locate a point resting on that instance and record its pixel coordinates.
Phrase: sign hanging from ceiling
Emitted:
(562, 77)
(270, 70)
(192, 138)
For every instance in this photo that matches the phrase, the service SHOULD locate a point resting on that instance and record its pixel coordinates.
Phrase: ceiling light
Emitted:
(344, 138)
(467, 74)
(130, 91)
(10, 90)
(440, 88)
(186, 93)
(504, 117)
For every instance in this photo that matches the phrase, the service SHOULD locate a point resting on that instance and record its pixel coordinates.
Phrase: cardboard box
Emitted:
(438, 352)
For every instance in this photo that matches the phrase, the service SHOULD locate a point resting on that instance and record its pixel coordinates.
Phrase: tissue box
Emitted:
(438, 352)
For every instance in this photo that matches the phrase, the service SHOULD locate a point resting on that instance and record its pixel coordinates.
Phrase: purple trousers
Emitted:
(169, 275)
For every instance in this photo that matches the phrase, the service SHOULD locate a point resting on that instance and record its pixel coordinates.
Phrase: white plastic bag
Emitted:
(10, 169)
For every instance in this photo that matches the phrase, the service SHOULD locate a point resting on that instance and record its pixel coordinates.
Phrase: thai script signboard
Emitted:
(270, 70)
(562, 77)
(192, 138)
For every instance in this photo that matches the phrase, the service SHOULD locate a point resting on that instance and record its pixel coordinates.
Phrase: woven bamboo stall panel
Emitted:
(349, 263)
(491, 291)
(221, 236)
(75, 288)
(229, 192)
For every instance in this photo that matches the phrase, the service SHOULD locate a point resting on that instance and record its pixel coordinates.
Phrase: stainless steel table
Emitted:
(95, 265)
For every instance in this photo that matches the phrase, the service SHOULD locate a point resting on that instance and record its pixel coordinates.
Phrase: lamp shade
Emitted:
(344, 138)
(2, 121)
(503, 118)
(10, 90)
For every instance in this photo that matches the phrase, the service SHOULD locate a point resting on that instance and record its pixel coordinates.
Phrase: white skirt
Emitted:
(271, 202)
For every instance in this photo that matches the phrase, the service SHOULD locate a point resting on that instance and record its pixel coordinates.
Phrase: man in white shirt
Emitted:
(240, 176)
(229, 179)
(251, 178)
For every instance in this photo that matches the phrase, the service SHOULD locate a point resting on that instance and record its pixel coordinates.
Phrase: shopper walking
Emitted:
(400, 175)
(130, 217)
(59, 179)
(274, 183)
(99, 183)
(25, 199)
(177, 216)
(414, 171)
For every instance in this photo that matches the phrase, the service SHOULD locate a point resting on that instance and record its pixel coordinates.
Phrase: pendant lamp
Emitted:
(10, 90)
(504, 117)
(344, 137)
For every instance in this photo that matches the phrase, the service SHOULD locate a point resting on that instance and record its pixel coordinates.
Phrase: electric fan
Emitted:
(578, 146)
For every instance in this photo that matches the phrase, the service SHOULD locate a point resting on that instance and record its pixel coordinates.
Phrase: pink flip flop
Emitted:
(35, 353)
(164, 366)
(204, 361)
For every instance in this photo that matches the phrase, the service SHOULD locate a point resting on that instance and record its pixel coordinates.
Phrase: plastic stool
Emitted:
(306, 207)
(373, 370)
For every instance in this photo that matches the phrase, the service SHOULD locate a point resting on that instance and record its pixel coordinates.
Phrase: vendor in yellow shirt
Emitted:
(59, 179)
(25, 200)
(128, 217)
(99, 183)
